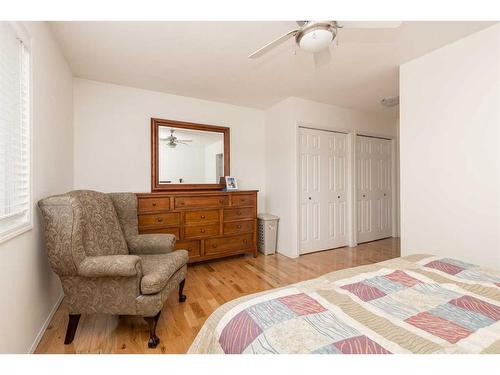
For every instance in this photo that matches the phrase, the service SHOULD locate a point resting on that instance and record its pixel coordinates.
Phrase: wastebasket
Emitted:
(267, 233)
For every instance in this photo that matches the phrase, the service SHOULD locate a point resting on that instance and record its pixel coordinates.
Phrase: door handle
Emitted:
(309, 198)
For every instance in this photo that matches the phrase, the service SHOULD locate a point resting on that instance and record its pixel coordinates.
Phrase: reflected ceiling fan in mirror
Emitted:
(173, 141)
(317, 36)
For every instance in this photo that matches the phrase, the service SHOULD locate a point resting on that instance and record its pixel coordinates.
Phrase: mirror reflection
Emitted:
(190, 156)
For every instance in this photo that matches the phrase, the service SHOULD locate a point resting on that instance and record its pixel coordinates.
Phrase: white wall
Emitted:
(112, 135)
(30, 291)
(281, 170)
(450, 150)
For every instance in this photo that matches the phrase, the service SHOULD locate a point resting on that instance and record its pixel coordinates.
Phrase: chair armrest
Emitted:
(110, 266)
(151, 243)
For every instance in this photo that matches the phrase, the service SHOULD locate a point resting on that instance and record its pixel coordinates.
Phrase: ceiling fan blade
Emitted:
(369, 24)
(273, 44)
(322, 58)
(184, 140)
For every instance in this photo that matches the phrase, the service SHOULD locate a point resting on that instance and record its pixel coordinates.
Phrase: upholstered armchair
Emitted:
(104, 264)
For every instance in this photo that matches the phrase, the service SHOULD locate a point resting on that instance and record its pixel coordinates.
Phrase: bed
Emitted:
(413, 304)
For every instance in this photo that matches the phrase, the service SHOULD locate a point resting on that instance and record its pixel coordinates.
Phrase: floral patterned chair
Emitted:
(104, 264)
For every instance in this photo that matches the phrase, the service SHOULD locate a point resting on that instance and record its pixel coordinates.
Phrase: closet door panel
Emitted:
(323, 187)
(385, 189)
(364, 187)
(373, 188)
(310, 190)
(337, 188)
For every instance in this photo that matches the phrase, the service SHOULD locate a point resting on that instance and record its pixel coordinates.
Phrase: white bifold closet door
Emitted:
(373, 188)
(323, 190)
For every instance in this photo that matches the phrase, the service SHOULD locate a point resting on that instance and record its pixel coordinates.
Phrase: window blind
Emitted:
(15, 144)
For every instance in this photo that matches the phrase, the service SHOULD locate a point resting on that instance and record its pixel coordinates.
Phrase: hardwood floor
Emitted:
(208, 285)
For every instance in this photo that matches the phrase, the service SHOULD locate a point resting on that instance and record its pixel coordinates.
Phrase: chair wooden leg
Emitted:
(152, 322)
(71, 330)
(182, 297)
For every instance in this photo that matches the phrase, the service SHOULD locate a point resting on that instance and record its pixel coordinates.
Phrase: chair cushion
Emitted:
(158, 268)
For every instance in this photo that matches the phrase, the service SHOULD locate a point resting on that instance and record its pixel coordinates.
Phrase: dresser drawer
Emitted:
(174, 230)
(239, 213)
(243, 200)
(199, 217)
(148, 220)
(238, 227)
(228, 244)
(153, 204)
(197, 231)
(192, 247)
(201, 201)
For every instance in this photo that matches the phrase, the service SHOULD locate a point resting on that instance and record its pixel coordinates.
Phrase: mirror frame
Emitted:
(156, 186)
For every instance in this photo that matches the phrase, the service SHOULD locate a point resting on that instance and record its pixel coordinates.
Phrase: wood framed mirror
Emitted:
(188, 156)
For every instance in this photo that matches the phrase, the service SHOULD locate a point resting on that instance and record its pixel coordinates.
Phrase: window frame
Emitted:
(25, 225)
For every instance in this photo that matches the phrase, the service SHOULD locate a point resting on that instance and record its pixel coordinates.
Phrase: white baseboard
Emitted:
(45, 324)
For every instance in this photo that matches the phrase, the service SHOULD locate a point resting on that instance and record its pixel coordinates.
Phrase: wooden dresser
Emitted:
(208, 224)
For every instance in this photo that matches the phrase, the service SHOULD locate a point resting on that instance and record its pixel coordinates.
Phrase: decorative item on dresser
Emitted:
(208, 224)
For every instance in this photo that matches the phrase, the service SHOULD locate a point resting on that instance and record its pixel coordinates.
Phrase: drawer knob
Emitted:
(160, 220)
(238, 213)
(154, 204)
(245, 241)
(202, 216)
(202, 230)
(221, 201)
(214, 245)
(238, 226)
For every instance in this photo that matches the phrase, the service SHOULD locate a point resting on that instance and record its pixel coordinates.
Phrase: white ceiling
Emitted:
(208, 60)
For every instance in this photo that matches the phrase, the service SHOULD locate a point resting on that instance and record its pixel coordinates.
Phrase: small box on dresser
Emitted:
(208, 224)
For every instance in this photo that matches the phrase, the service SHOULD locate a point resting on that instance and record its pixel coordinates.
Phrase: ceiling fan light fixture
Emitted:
(316, 39)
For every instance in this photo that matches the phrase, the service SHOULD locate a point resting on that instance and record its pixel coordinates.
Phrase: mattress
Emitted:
(414, 304)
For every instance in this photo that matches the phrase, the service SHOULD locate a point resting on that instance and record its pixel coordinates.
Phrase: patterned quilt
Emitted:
(414, 304)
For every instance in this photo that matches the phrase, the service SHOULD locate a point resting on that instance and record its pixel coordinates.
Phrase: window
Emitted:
(15, 129)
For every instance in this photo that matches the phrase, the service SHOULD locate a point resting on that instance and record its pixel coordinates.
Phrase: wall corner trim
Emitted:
(44, 326)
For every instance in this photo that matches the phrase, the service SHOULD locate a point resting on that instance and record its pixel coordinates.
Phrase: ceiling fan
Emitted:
(317, 36)
(173, 141)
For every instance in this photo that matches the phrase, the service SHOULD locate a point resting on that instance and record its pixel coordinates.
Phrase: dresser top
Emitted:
(195, 192)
